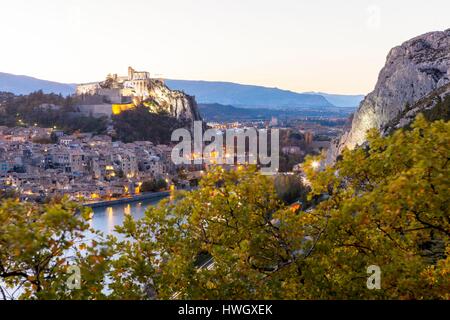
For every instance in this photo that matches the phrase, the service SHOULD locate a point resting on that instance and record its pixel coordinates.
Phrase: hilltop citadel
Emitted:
(120, 93)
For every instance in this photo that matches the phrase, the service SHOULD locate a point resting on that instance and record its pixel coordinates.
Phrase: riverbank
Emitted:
(139, 197)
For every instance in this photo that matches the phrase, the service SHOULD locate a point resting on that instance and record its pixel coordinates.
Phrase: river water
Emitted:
(105, 219)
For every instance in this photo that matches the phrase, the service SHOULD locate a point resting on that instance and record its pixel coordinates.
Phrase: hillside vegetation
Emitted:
(140, 124)
(46, 110)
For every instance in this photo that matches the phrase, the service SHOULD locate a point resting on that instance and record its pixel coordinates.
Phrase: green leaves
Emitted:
(38, 243)
(389, 207)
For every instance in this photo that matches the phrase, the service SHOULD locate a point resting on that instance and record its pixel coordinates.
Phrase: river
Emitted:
(106, 218)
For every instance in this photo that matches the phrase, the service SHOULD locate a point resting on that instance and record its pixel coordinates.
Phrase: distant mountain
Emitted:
(25, 85)
(247, 96)
(205, 92)
(342, 100)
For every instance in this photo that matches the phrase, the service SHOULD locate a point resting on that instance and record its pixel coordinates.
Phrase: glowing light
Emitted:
(315, 165)
(214, 154)
(119, 108)
(110, 214)
(138, 188)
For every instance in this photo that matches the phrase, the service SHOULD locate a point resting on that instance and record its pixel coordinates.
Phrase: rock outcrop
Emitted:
(412, 71)
(177, 103)
(120, 93)
(434, 106)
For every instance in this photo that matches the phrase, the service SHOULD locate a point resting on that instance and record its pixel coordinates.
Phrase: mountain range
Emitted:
(205, 92)
(342, 100)
(19, 84)
(247, 96)
(251, 96)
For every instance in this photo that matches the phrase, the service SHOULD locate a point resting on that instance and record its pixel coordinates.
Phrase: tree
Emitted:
(26, 110)
(388, 206)
(141, 123)
(290, 188)
(38, 244)
(383, 205)
(8, 194)
(228, 220)
(154, 185)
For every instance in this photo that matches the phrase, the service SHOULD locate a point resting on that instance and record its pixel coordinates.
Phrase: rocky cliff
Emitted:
(434, 106)
(412, 71)
(177, 103)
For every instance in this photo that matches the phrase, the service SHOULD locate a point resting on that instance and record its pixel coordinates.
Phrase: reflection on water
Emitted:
(106, 218)
(103, 219)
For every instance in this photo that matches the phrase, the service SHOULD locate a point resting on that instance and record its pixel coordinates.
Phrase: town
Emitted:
(42, 159)
(42, 163)
(82, 166)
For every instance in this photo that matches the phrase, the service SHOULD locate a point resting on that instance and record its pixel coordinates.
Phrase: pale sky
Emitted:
(316, 45)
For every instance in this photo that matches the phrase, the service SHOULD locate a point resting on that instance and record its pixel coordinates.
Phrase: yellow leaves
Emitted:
(365, 220)
(428, 274)
(17, 251)
(87, 213)
(389, 201)
(34, 240)
(244, 245)
(211, 285)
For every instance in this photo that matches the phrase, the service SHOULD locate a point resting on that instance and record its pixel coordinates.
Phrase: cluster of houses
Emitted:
(40, 162)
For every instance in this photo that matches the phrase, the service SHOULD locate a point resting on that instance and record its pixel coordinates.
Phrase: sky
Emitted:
(328, 46)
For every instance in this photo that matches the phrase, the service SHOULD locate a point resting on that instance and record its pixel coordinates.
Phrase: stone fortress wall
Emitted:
(120, 93)
(115, 94)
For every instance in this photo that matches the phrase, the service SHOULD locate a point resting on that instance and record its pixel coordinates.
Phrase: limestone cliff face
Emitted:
(434, 106)
(177, 103)
(412, 71)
